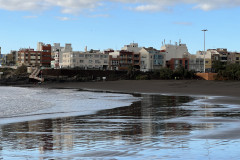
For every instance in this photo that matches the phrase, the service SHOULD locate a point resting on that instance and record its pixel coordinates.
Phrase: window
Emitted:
(81, 61)
(81, 55)
(90, 61)
(237, 58)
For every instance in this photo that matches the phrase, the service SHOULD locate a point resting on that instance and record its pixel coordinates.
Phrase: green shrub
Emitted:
(142, 77)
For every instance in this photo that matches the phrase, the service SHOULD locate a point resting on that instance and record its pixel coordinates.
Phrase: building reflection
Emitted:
(142, 121)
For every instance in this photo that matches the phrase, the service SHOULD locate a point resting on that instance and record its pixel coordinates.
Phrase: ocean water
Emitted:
(34, 103)
(70, 124)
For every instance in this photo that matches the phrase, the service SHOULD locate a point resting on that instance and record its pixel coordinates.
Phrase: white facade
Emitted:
(175, 51)
(85, 60)
(196, 63)
(133, 47)
(151, 59)
(39, 46)
(208, 55)
(114, 54)
(58, 51)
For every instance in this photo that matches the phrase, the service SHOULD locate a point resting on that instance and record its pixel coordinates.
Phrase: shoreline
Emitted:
(224, 92)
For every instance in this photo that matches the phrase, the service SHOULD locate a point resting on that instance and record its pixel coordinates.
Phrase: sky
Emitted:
(103, 24)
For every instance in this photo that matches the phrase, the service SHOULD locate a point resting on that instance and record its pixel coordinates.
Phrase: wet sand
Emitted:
(229, 91)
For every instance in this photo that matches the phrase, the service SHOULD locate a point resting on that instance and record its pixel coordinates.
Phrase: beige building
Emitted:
(85, 60)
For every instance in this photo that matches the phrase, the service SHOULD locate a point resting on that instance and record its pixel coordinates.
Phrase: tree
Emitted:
(179, 72)
(217, 66)
(237, 75)
(165, 73)
(230, 72)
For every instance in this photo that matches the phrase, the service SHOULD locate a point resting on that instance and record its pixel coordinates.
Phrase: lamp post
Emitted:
(204, 30)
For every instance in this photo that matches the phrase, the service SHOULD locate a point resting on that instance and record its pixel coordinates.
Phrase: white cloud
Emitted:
(78, 6)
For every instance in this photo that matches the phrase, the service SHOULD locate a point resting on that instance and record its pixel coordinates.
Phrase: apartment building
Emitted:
(29, 57)
(174, 63)
(152, 59)
(85, 60)
(57, 54)
(122, 60)
(175, 51)
(132, 47)
(234, 57)
(208, 59)
(196, 64)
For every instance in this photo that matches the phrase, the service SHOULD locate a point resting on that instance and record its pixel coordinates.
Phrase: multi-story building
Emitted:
(152, 59)
(175, 51)
(85, 60)
(127, 59)
(11, 58)
(29, 57)
(208, 59)
(234, 57)
(57, 54)
(132, 47)
(114, 60)
(217, 55)
(195, 64)
(129, 56)
(174, 63)
(122, 60)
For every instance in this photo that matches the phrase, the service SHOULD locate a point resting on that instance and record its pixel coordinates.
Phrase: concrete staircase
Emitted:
(35, 74)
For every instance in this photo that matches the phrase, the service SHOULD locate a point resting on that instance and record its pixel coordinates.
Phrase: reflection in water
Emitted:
(165, 127)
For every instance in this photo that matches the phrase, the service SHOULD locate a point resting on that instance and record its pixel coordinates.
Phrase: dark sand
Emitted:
(230, 90)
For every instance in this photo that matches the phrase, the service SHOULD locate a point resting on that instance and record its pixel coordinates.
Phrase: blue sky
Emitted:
(114, 23)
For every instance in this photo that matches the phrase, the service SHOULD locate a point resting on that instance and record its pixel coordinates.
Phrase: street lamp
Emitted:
(204, 30)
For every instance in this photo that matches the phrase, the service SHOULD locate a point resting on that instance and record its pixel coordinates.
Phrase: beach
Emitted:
(225, 92)
(182, 119)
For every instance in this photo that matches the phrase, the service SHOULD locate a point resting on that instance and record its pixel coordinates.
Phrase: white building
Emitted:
(196, 63)
(175, 51)
(133, 47)
(85, 60)
(39, 46)
(152, 59)
(57, 53)
(149, 58)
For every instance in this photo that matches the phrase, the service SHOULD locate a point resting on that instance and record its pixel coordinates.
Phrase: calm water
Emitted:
(69, 124)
